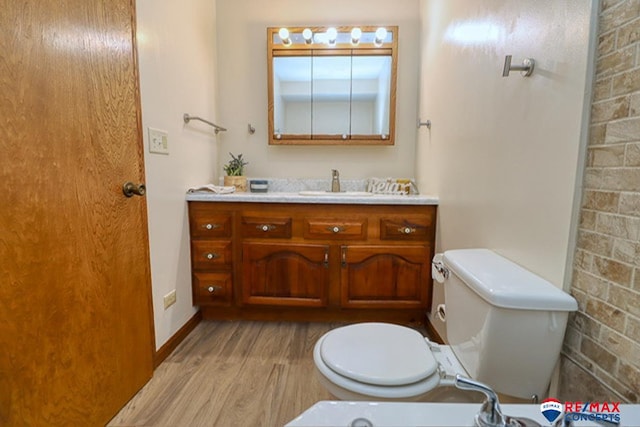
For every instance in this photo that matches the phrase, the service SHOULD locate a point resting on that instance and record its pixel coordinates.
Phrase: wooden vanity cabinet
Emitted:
(312, 261)
(211, 255)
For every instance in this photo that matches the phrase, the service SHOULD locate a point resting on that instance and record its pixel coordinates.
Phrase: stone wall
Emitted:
(601, 355)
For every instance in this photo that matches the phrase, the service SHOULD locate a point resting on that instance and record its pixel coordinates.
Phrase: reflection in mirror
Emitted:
(326, 91)
(331, 112)
(292, 95)
(371, 95)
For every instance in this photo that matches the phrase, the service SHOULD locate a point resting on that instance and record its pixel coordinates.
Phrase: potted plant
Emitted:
(235, 173)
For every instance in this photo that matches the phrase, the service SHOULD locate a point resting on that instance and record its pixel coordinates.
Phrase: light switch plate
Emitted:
(158, 141)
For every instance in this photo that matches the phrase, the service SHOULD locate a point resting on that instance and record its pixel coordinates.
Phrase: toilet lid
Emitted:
(379, 354)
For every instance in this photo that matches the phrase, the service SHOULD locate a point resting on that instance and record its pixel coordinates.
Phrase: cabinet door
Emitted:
(285, 274)
(385, 276)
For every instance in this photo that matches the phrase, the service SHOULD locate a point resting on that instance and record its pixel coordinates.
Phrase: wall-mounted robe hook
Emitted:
(251, 129)
(427, 124)
(526, 69)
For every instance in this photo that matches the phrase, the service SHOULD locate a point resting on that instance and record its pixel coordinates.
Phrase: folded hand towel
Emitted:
(218, 189)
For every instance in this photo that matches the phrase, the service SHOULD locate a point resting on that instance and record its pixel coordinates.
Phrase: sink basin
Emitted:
(386, 414)
(317, 193)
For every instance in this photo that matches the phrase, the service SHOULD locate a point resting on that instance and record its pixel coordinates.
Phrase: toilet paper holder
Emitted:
(441, 269)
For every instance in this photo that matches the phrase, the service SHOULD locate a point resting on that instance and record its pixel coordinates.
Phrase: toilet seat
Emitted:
(382, 360)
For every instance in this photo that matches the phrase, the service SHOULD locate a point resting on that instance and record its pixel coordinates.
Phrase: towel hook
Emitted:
(427, 124)
(526, 69)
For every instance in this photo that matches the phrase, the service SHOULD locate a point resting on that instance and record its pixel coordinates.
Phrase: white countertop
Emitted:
(281, 197)
(288, 190)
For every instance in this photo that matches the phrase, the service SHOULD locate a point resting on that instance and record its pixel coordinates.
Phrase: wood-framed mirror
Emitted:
(332, 85)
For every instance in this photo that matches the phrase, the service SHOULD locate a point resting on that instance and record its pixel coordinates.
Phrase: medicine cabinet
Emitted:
(332, 86)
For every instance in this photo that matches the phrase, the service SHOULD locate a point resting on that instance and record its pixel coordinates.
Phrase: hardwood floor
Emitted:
(232, 374)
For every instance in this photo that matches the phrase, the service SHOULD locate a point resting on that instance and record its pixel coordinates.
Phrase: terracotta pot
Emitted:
(240, 182)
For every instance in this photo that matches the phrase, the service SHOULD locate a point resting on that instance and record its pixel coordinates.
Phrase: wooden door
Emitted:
(76, 339)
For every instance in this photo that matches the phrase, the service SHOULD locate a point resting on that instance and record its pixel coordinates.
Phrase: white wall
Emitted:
(176, 50)
(503, 153)
(242, 55)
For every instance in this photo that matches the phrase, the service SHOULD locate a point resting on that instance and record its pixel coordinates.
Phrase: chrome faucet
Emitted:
(335, 181)
(490, 414)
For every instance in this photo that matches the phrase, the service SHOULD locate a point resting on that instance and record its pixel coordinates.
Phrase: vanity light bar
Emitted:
(333, 36)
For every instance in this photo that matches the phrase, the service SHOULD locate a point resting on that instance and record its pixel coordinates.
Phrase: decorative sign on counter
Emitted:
(396, 186)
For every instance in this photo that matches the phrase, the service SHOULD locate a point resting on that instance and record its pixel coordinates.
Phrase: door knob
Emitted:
(130, 189)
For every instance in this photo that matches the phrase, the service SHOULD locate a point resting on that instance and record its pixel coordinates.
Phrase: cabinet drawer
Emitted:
(266, 227)
(207, 254)
(406, 228)
(319, 228)
(212, 288)
(205, 224)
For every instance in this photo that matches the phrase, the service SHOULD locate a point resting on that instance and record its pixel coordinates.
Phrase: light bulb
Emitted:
(356, 33)
(332, 35)
(284, 36)
(307, 34)
(381, 35)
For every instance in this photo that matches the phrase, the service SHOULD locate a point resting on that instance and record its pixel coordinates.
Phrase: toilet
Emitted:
(505, 327)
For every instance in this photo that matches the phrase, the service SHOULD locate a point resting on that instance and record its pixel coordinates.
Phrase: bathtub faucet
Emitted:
(490, 414)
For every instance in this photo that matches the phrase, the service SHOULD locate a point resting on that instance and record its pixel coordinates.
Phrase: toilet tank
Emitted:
(504, 323)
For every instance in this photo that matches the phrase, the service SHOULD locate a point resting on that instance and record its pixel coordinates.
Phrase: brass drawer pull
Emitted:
(210, 226)
(266, 227)
(407, 230)
(213, 288)
(335, 229)
(211, 255)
